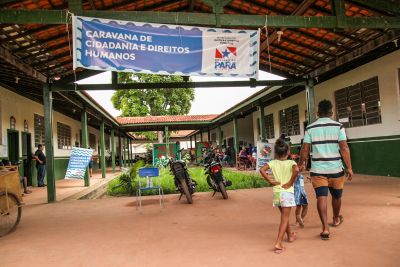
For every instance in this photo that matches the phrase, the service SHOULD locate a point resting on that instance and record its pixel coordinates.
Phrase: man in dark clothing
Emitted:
(40, 165)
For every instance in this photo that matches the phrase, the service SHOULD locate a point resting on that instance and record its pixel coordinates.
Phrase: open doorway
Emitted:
(13, 145)
(27, 156)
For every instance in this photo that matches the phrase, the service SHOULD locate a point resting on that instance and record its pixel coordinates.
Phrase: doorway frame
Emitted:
(12, 131)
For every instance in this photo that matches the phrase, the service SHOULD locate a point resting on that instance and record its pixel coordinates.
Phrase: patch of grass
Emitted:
(240, 180)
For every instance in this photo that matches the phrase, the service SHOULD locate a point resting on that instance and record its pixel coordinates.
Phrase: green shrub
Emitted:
(124, 184)
(240, 180)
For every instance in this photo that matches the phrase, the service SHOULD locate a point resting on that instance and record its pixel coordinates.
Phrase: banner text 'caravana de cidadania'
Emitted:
(164, 49)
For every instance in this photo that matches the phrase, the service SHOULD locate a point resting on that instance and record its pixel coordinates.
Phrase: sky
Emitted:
(207, 100)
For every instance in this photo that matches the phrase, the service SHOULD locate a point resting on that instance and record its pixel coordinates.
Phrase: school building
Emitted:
(366, 100)
(346, 51)
(22, 130)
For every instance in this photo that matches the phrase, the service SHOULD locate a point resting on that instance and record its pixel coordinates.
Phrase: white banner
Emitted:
(127, 46)
(78, 162)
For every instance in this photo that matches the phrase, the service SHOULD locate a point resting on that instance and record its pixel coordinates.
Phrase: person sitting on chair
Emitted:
(243, 157)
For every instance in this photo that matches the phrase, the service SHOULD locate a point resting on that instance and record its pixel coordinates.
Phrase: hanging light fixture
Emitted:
(280, 33)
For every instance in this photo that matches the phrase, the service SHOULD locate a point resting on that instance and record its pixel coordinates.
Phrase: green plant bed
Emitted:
(240, 180)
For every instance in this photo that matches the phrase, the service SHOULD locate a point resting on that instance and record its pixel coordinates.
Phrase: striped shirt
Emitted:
(324, 136)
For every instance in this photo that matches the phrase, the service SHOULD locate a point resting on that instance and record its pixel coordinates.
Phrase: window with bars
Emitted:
(38, 125)
(289, 121)
(359, 104)
(63, 136)
(269, 126)
(92, 141)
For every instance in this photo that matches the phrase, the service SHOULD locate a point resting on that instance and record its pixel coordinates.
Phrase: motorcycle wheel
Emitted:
(223, 190)
(210, 183)
(186, 192)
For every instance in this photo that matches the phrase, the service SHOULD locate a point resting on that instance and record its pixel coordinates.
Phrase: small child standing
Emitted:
(285, 173)
(301, 200)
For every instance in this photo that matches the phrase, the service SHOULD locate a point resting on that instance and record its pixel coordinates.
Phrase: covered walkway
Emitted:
(211, 232)
(68, 188)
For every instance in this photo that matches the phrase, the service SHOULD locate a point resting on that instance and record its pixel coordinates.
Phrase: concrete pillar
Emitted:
(166, 141)
(124, 150)
(102, 150)
(219, 136)
(263, 137)
(85, 141)
(310, 98)
(112, 150)
(48, 127)
(120, 151)
(235, 135)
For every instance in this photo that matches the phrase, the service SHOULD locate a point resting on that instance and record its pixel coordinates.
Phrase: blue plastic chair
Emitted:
(151, 174)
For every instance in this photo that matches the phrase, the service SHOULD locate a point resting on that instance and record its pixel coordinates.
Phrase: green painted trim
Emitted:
(373, 157)
(41, 16)
(375, 138)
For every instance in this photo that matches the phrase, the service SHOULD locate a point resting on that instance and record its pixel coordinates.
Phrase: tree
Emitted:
(153, 102)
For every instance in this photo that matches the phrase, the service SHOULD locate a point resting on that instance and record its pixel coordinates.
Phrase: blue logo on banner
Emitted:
(129, 47)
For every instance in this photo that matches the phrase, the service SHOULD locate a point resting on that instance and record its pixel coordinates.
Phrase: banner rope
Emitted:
(267, 34)
(179, 28)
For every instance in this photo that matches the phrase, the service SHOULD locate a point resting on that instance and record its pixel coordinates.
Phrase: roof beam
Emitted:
(388, 7)
(40, 43)
(17, 63)
(38, 16)
(275, 71)
(48, 49)
(5, 2)
(52, 59)
(281, 56)
(58, 65)
(390, 36)
(80, 76)
(296, 53)
(75, 6)
(29, 32)
(300, 9)
(217, 7)
(339, 10)
(291, 68)
(191, 5)
(129, 86)
(308, 47)
(92, 5)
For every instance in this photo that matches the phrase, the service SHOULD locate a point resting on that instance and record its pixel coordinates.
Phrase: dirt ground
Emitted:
(211, 232)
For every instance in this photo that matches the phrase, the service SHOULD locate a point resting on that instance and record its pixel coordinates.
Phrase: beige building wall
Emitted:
(298, 99)
(12, 104)
(387, 70)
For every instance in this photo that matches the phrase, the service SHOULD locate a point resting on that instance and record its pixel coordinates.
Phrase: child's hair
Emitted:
(281, 148)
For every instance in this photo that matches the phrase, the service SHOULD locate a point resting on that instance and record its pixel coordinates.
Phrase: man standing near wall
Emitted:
(40, 165)
(328, 140)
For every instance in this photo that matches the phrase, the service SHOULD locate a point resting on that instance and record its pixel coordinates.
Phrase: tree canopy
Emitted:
(154, 102)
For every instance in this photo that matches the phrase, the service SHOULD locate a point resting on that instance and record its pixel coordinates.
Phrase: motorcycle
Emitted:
(215, 179)
(184, 184)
